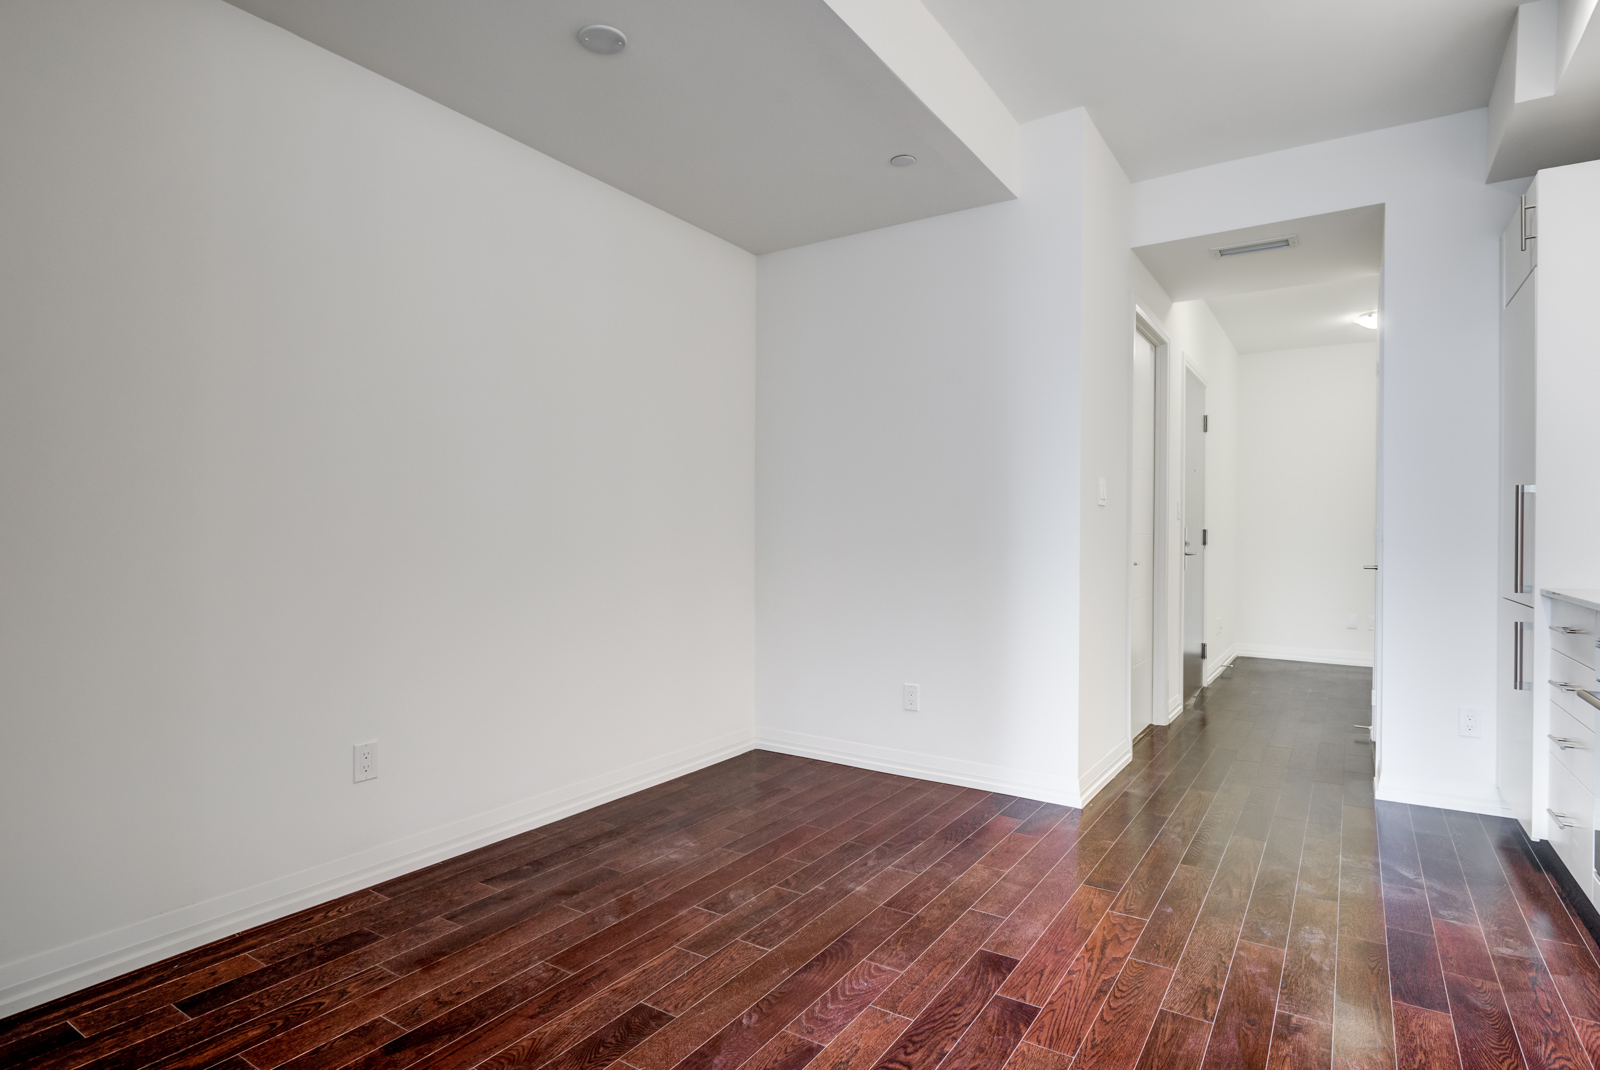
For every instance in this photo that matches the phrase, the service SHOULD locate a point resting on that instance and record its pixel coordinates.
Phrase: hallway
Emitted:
(1233, 899)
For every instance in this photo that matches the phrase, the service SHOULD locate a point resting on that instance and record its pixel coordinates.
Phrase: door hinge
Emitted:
(1205, 424)
(1202, 651)
(1202, 536)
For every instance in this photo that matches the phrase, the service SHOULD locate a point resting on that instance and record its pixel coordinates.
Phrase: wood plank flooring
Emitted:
(1232, 899)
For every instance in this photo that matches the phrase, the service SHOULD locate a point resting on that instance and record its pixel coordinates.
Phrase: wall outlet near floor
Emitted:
(1471, 723)
(365, 759)
(910, 697)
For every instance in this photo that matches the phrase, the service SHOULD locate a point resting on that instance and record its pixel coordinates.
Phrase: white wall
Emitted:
(1199, 341)
(1438, 421)
(1107, 380)
(327, 414)
(918, 500)
(1307, 475)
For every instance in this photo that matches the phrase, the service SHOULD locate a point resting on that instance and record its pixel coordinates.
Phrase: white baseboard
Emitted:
(916, 764)
(1446, 794)
(1302, 653)
(1100, 774)
(41, 977)
(1217, 665)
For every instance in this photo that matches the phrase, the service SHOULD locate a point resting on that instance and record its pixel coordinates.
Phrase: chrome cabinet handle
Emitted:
(1566, 744)
(1521, 581)
(1573, 689)
(1567, 629)
(1519, 682)
(1563, 821)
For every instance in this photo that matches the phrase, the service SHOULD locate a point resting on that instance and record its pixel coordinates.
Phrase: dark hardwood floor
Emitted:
(1233, 899)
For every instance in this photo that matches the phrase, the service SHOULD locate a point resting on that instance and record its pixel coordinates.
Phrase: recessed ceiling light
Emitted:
(1369, 320)
(602, 40)
(902, 160)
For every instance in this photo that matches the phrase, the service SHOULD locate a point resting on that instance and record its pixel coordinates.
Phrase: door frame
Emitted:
(1145, 323)
(1180, 519)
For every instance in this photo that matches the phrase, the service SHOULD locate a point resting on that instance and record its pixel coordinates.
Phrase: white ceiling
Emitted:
(1544, 114)
(1306, 295)
(1332, 246)
(770, 124)
(1297, 317)
(1175, 84)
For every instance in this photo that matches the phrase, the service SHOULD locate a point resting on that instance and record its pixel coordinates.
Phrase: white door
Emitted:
(1194, 535)
(1142, 533)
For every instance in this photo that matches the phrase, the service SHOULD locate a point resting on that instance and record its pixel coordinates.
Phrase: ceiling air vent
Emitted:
(1288, 241)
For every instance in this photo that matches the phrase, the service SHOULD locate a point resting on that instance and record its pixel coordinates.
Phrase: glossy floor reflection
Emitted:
(1232, 899)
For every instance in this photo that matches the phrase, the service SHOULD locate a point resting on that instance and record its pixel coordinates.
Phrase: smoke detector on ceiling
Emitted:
(1288, 241)
(602, 40)
(905, 159)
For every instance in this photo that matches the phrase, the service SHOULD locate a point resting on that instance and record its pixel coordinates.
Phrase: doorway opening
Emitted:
(1264, 532)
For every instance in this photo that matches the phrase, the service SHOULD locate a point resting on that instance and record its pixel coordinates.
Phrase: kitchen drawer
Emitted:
(1575, 843)
(1578, 646)
(1570, 671)
(1572, 706)
(1578, 755)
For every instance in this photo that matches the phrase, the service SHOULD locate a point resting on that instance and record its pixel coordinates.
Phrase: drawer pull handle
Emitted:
(1563, 821)
(1573, 689)
(1567, 629)
(1566, 744)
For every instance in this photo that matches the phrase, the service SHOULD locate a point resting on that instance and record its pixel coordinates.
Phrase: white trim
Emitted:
(1446, 794)
(45, 975)
(1100, 774)
(1303, 653)
(1175, 708)
(1217, 665)
(1154, 331)
(916, 764)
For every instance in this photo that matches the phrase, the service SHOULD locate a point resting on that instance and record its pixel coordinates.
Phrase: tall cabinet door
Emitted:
(1517, 460)
(1514, 725)
(1519, 248)
(1514, 691)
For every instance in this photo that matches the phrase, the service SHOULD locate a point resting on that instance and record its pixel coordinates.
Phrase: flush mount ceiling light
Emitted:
(1369, 320)
(1288, 241)
(602, 40)
(902, 160)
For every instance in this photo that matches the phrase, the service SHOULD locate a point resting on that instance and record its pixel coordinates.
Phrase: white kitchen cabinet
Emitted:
(1519, 249)
(1518, 763)
(1548, 499)
(1573, 622)
(1514, 753)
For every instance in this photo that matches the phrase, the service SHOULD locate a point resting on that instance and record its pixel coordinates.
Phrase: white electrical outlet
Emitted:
(1350, 622)
(365, 756)
(910, 697)
(1471, 723)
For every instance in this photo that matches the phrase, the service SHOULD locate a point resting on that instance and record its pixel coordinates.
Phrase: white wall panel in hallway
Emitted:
(1141, 529)
(1308, 432)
